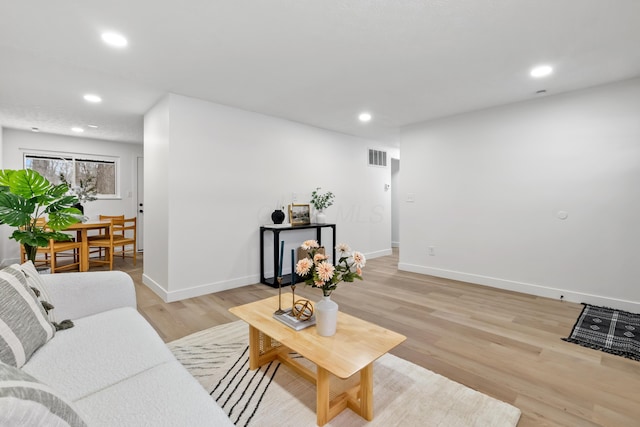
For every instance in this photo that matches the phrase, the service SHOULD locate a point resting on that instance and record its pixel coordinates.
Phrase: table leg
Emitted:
(254, 348)
(366, 392)
(84, 251)
(322, 396)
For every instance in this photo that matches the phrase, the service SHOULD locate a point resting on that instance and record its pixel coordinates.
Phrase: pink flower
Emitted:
(325, 271)
(358, 259)
(343, 247)
(303, 267)
(359, 271)
(319, 258)
(309, 244)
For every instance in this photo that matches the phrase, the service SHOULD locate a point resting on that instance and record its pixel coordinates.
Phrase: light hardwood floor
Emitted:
(504, 344)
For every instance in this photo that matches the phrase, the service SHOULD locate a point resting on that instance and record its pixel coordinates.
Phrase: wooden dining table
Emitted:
(81, 229)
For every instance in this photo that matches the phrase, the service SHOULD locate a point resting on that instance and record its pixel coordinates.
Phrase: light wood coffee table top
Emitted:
(352, 350)
(356, 343)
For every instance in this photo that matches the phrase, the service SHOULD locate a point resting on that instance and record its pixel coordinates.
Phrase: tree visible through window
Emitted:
(77, 171)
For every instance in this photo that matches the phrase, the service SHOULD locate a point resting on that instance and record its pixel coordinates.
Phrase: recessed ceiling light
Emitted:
(92, 126)
(34, 129)
(114, 39)
(77, 129)
(364, 117)
(92, 98)
(541, 71)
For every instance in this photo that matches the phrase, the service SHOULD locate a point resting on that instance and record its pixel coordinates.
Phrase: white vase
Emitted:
(321, 218)
(326, 312)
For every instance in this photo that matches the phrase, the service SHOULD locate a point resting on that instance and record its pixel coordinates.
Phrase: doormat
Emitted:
(609, 330)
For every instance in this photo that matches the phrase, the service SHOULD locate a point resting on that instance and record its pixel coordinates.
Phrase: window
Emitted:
(77, 171)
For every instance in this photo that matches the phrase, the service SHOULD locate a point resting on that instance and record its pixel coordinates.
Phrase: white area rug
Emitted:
(404, 394)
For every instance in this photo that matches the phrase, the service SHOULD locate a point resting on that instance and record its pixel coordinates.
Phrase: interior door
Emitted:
(140, 204)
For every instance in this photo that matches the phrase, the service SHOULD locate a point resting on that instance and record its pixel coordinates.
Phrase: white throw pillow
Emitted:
(24, 326)
(24, 401)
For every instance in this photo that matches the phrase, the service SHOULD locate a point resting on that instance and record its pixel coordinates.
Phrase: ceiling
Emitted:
(319, 62)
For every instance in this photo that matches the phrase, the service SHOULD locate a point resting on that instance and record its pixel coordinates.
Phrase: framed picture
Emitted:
(299, 214)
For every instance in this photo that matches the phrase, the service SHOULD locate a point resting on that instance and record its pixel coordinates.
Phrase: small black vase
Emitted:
(277, 216)
(79, 207)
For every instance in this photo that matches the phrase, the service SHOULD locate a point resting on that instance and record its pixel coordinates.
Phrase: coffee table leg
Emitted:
(254, 348)
(322, 396)
(366, 392)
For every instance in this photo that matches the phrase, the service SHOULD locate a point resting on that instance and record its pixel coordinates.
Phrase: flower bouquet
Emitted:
(318, 272)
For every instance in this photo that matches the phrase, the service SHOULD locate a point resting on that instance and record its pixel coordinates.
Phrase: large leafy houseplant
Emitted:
(25, 198)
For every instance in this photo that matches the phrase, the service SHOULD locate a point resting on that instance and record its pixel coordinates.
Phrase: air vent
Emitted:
(377, 158)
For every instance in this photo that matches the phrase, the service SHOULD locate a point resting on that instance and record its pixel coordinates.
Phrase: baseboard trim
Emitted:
(209, 288)
(378, 254)
(196, 291)
(395, 244)
(527, 288)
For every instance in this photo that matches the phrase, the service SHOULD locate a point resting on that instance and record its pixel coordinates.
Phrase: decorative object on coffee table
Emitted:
(279, 310)
(279, 279)
(318, 272)
(297, 320)
(293, 280)
(609, 330)
(321, 201)
(327, 315)
(302, 309)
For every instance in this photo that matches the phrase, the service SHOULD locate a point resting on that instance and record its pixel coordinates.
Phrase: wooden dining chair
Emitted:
(51, 253)
(101, 233)
(123, 235)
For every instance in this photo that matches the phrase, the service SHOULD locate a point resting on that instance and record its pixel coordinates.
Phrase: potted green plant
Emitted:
(320, 202)
(25, 198)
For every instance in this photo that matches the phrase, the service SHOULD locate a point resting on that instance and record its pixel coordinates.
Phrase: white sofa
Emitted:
(112, 365)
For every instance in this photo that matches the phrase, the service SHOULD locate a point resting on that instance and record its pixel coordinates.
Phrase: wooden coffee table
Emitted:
(353, 349)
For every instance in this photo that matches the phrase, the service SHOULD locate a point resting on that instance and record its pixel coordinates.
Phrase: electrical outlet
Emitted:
(431, 250)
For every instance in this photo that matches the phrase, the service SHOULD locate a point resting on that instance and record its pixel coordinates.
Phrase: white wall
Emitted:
(16, 142)
(229, 169)
(157, 176)
(395, 202)
(489, 186)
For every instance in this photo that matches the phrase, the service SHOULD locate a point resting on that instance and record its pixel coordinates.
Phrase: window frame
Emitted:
(73, 157)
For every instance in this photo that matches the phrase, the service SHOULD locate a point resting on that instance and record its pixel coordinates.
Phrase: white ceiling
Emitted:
(318, 62)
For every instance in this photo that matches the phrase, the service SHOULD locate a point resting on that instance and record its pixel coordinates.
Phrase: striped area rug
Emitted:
(404, 394)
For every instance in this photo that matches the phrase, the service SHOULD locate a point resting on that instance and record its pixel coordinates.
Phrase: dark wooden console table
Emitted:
(286, 279)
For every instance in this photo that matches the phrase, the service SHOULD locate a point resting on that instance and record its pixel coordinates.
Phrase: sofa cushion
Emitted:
(166, 395)
(26, 402)
(24, 326)
(35, 281)
(99, 351)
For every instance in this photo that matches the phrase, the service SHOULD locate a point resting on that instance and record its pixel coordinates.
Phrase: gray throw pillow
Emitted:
(35, 281)
(24, 326)
(24, 401)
